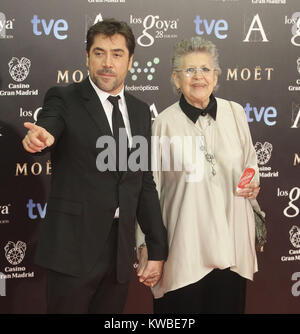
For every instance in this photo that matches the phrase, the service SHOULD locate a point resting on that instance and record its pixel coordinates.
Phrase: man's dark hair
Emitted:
(110, 27)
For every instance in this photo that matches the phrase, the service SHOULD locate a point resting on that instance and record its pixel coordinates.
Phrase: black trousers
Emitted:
(96, 293)
(219, 292)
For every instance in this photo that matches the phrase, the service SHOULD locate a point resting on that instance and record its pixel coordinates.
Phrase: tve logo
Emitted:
(57, 27)
(34, 214)
(268, 114)
(211, 26)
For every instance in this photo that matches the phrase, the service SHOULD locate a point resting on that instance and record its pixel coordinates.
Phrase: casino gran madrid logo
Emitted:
(296, 86)
(154, 28)
(15, 252)
(143, 72)
(6, 26)
(295, 236)
(19, 69)
(264, 153)
(293, 253)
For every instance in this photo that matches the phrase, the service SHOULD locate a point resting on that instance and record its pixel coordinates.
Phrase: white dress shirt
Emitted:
(108, 109)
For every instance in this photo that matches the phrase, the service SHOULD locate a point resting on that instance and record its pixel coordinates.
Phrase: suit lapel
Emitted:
(133, 121)
(94, 107)
(132, 114)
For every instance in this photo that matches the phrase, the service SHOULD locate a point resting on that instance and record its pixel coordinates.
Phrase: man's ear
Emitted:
(130, 62)
(87, 59)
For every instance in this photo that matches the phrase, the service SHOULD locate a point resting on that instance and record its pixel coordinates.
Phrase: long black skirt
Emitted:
(219, 292)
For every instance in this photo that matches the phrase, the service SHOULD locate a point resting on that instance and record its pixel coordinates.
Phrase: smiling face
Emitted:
(196, 88)
(108, 62)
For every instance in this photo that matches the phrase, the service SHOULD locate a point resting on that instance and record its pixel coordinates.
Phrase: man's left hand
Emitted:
(152, 273)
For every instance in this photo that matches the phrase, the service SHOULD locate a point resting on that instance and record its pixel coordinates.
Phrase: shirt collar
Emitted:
(193, 113)
(104, 95)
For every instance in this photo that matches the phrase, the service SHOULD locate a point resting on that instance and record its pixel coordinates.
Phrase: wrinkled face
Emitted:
(108, 62)
(196, 87)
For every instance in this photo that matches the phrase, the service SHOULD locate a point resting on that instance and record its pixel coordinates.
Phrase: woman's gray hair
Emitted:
(191, 45)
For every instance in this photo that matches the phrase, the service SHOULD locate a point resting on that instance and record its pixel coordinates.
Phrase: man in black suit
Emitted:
(87, 241)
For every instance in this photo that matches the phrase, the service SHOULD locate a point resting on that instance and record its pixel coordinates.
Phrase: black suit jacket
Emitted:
(82, 199)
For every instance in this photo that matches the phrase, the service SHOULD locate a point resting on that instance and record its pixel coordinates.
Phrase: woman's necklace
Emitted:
(210, 158)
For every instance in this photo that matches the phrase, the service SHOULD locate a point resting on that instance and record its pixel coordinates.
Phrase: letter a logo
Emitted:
(256, 26)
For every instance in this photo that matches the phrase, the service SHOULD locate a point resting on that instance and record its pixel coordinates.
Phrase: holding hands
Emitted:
(148, 271)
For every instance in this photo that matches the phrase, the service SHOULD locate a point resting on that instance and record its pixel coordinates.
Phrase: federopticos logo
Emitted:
(141, 73)
(147, 71)
(19, 69)
(154, 28)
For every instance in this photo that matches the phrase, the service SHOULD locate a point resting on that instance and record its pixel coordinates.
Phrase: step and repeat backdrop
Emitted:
(42, 44)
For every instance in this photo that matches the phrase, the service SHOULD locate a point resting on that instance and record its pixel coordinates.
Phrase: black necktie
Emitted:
(117, 123)
(123, 264)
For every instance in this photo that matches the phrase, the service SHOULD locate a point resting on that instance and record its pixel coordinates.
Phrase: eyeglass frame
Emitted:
(195, 71)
